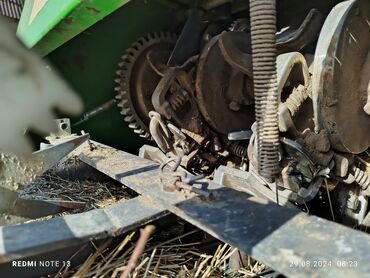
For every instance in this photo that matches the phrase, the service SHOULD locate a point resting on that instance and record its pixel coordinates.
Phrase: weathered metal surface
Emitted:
(40, 208)
(18, 172)
(31, 239)
(240, 135)
(288, 240)
(188, 43)
(159, 101)
(340, 69)
(142, 176)
(251, 183)
(139, 174)
(153, 154)
(230, 45)
(63, 129)
(293, 243)
(50, 156)
(306, 33)
(213, 93)
(292, 67)
(27, 209)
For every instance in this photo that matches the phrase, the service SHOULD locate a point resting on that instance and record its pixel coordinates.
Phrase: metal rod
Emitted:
(93, 113)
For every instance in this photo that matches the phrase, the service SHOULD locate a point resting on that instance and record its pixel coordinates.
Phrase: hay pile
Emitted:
(50, 186)
(95, 193)
(169, 258)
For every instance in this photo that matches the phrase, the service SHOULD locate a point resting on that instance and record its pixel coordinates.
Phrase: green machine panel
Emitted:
(47, 24)
(87, 57)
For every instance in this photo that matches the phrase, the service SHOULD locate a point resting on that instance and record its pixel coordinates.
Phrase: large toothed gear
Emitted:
(139, 73)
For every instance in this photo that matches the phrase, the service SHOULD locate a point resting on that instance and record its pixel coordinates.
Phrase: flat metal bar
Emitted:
(248, 182)
(50, 156)
(289, 241)
(23, 170)
(35, 238)
(30, 208)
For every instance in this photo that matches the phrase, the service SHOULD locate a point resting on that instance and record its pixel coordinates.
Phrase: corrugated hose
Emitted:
(263, 30)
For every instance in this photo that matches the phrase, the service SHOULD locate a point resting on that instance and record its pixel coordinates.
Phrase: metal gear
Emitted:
(139, 73)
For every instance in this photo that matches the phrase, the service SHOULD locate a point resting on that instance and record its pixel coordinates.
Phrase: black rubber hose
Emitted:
(263, 30)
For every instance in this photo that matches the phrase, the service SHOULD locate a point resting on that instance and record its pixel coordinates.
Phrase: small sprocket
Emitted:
(138, 77)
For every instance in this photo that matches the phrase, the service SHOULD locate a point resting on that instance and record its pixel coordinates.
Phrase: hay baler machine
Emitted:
(289, 103)
(266, 97)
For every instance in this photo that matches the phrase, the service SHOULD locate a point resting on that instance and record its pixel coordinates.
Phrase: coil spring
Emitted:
(296, 99)
(178, 100)
(263, 30)
(361, 177)
(238, 150)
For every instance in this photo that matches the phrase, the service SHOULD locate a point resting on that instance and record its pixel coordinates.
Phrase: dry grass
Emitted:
(169, 258)
(94, 194)
(51, 186)
(165, 255)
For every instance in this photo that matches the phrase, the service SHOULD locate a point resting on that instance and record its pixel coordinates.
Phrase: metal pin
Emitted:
(354, 39)
(368, 22)
(336, 59)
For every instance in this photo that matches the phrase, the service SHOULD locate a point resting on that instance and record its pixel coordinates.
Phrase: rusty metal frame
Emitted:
(288, 240)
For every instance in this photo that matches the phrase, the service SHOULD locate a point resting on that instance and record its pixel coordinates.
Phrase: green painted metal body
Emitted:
(89, 59)
(58, 21)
